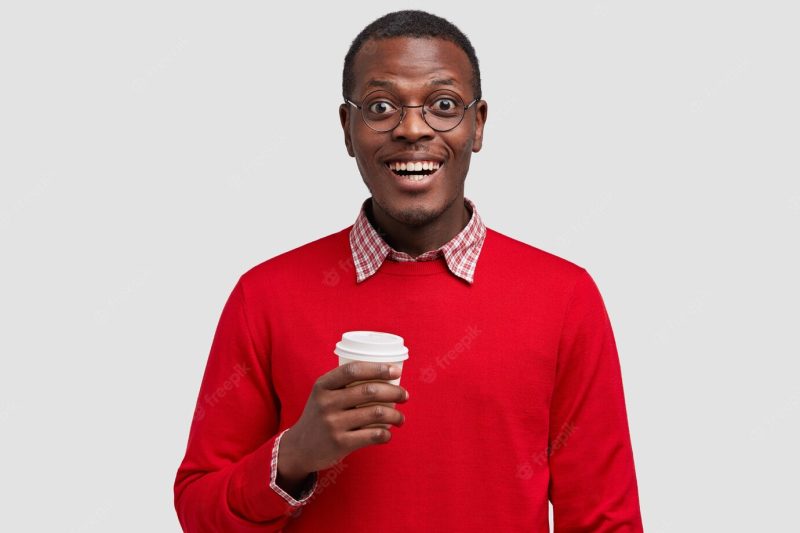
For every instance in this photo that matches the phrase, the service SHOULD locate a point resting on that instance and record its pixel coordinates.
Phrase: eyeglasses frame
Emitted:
(403, 112)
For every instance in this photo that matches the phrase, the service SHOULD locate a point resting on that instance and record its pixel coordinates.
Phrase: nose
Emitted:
(412, 126)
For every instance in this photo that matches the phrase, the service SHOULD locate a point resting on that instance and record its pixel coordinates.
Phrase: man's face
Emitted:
(406, 67)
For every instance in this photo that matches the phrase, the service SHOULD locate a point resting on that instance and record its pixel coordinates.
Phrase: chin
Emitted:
(413, 211)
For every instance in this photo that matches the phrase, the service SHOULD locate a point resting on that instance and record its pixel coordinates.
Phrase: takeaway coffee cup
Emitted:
(374, 347)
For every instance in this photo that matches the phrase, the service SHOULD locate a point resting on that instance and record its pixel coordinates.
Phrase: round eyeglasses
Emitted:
(382, 110)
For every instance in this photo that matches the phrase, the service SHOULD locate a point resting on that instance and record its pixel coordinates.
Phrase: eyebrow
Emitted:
(387, 83)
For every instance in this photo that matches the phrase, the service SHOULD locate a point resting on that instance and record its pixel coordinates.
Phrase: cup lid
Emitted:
(372, 344)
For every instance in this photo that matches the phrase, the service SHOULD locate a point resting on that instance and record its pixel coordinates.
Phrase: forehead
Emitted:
(409, 64)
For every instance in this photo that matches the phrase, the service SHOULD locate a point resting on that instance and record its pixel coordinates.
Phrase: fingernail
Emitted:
(406, 395)
(394, 371)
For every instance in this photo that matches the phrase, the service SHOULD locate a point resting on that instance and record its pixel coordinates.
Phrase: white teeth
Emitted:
(415, 177)
(414, 165)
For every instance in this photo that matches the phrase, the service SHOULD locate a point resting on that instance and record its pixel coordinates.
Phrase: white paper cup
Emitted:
(374, 347)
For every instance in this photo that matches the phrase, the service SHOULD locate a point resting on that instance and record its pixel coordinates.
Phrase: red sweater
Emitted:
(515, 397)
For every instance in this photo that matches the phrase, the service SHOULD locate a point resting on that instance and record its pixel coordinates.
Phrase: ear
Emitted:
(344, 118)
(481, 112)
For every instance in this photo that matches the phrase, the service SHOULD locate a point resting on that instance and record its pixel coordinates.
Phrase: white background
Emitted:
(152, 152)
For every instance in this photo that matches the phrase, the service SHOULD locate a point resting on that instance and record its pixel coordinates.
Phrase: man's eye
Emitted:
(380, 107)
(445, 105)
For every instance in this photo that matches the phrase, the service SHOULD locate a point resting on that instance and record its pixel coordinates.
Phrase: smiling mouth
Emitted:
(414, 171)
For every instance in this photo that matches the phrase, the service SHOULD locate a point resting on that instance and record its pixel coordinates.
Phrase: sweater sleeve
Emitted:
(593, 485)
(226, 481)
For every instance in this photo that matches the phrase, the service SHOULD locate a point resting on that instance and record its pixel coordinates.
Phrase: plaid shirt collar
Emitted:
(461, 253)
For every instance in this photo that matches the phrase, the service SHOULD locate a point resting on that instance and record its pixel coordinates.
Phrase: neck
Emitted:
(416, 240)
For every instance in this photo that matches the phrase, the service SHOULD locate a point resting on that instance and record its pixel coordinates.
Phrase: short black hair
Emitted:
(410, 23)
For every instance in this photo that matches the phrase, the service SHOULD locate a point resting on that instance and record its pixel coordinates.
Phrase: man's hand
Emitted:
(331, 426)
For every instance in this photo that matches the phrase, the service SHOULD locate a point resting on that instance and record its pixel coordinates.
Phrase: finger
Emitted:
(342, 375)
(379, 413)
(360, 438)
(370, 391)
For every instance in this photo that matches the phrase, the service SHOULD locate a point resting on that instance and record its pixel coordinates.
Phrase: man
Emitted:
(512, 394)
